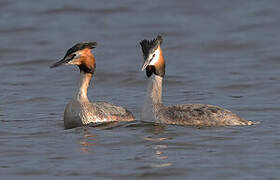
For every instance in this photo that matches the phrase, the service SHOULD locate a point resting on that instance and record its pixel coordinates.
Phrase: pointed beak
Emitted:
(63, 61)
(145, 64)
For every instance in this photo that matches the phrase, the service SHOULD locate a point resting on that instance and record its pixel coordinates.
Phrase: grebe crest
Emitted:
(80, 55)
(185, 114)
(79, 111)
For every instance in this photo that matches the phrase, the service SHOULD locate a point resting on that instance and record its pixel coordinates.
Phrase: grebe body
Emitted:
(184, 114)
(80, 111)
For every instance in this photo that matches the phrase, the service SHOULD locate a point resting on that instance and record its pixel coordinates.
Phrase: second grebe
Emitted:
(79, 111)
(185, 114)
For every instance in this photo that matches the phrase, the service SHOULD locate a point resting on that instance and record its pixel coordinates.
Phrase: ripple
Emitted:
(237, 86)
(67, 9)
(31, 100)
(108, 11)
(250, 27)
(19, 30)
(35, 62)
(229, 46)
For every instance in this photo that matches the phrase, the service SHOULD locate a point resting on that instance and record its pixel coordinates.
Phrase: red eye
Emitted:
(152, 58)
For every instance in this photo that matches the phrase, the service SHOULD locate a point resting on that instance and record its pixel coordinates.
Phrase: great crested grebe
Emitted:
(185, 114)
(80, 111)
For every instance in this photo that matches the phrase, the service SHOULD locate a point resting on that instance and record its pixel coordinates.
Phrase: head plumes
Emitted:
(80, 46)
(81, 56)
(148, 47)
(153, 59)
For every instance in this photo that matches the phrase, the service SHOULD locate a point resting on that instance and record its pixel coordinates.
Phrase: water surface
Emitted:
(224, 53)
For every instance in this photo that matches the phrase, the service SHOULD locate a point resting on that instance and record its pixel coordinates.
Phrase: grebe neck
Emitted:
(81, 93)
(153, 99)
(154, 90)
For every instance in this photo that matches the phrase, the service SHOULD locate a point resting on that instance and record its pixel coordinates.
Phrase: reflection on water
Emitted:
(158, 148)
(159, 155)
(89, 139)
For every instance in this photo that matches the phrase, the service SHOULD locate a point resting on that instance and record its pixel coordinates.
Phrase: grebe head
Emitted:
(153, 58)
(80, 55)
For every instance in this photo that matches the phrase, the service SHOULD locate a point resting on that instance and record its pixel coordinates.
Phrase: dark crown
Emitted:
(80, 46)
(149, 47)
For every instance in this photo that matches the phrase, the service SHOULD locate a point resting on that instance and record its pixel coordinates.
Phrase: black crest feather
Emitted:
(80, 46)
(150, 46)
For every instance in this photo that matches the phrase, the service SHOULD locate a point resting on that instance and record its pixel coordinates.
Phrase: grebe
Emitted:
(80, 111)
(185, 114)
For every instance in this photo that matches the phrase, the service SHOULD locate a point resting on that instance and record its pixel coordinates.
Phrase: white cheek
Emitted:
(155, 59)
(73, 62)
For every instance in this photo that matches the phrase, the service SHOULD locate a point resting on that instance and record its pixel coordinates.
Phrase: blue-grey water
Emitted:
(218, 52)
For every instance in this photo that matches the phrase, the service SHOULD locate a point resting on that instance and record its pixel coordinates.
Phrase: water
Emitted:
(224, 53)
